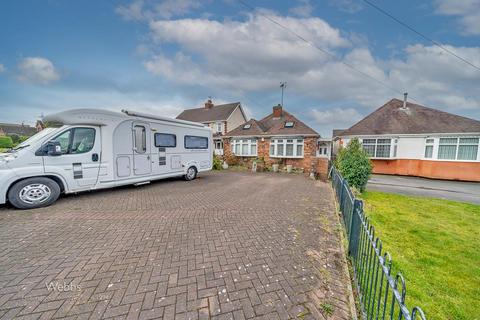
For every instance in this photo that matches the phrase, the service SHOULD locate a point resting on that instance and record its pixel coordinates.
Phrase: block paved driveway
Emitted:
(228, 245)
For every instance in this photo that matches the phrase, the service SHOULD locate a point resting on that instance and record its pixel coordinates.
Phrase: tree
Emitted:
(354, 164)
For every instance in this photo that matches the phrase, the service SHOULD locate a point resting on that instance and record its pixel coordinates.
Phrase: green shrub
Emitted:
(17, 139)
(6, 142)
(354, 164)
(217, 163)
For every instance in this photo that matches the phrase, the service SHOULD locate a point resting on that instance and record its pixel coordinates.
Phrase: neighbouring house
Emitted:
(8, 129)
(220, 118)
(404, 138)
(279, 138)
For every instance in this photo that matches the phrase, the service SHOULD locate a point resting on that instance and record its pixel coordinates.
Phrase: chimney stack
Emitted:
(209, 104)
(405, 100)
(277, 111)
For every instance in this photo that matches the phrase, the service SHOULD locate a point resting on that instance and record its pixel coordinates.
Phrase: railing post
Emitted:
(354, 228)
(340, 201)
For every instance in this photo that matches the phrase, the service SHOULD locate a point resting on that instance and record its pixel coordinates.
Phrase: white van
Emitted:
(96, 149)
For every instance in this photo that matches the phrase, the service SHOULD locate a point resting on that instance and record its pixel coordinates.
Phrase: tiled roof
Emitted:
(392, 118)
(216, 113)
(337, 132)
(271, 125)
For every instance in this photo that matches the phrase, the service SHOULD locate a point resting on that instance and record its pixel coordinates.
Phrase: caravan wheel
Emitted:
(191, 173)
(34, 193)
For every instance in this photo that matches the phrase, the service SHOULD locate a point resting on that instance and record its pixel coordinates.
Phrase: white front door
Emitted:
(142, 163)
(219, 147)
(80, 161)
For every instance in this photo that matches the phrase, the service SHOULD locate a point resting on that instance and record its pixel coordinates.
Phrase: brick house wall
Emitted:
(309, 163)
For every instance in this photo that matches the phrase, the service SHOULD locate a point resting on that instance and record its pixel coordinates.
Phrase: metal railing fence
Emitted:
(381, 294)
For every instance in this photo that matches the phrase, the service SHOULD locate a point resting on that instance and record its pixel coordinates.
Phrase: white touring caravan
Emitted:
(95, 149)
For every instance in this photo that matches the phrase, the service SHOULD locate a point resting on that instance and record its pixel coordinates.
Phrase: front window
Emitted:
(219, 127)
(286, 148)
(244, 147)
(38, 136)
(468, 148)
(377, 148)
(458, 148)
(76, 141)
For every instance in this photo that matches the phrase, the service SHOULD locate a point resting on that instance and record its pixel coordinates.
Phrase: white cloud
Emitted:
(147, 9)
(255, 55)
(37, 70)
(304, 8)
(2, 68)
(337, 118)
(468, 11)
(248, 55)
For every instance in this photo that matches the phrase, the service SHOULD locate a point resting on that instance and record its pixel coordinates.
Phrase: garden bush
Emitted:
(217, 163)
(17, 139)
(6, 142)
(354, 164)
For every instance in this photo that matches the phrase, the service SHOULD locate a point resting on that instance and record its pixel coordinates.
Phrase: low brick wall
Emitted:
(448, 170)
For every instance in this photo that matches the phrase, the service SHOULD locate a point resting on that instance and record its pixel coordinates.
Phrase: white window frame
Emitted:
(429, 144)
(219, 127)
(458, 144)
(238, 143)
(296, 142)
(376, 144)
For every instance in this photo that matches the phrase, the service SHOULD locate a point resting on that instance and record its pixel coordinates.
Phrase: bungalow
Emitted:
(279, 138)
(8, 129)
(220, 118)
(404, 138)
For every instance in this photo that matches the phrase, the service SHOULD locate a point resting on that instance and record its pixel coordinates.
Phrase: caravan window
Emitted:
(140, 139)
(194, 142)
(165, 140)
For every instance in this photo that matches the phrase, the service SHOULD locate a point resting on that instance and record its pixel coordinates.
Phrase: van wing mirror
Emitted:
(54, 149)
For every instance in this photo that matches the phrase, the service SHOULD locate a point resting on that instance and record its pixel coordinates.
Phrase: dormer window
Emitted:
(289, 124)
(247, 126)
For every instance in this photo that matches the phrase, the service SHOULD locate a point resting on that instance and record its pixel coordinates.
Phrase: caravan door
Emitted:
(142, 163)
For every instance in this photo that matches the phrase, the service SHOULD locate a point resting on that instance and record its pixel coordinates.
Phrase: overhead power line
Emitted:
(323, 50)
(421, 34)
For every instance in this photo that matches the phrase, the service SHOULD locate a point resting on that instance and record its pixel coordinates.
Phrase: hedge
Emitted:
(6, 142)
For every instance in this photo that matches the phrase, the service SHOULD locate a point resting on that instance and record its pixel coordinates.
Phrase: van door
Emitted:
(79, 163)
(142, 164)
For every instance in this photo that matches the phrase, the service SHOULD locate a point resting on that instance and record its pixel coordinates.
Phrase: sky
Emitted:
(163, 56)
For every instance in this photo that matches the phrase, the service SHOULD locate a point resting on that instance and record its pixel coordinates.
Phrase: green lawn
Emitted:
(436, 245)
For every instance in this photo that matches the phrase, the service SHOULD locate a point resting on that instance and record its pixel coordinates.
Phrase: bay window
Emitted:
(377, 148)
(244, 147)
(467, 149)
(286, 148)
(458, 148)
(429, 148)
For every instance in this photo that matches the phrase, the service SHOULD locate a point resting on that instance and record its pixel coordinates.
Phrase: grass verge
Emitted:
(435, 244)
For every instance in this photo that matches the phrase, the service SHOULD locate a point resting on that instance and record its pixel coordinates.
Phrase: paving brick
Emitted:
(228, 245)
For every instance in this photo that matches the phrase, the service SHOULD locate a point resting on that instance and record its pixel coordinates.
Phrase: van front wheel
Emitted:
(34, 193)
(191, 174)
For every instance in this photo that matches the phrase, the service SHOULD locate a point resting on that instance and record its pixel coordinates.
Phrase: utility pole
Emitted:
(283, 85)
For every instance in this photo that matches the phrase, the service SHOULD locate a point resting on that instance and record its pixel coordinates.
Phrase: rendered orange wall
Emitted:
(449, 170)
